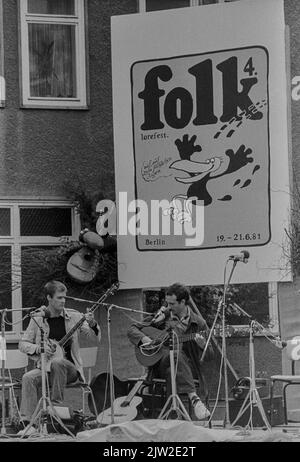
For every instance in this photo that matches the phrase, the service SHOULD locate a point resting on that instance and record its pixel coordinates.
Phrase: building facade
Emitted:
(56, 126)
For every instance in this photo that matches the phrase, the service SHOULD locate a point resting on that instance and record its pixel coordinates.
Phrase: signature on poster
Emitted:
(154, 168)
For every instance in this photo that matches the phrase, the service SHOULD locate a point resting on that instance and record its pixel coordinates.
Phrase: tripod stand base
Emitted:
(43, 410)
(176, 406)
(256, 407)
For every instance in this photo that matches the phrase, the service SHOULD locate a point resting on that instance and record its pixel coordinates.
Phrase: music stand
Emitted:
(44, 404)
(176, 404)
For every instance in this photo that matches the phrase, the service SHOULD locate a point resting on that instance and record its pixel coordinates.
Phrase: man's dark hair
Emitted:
(181, 292)
(54, 286)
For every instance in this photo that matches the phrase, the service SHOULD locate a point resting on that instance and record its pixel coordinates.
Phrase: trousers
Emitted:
(62, 372)
(184, 376)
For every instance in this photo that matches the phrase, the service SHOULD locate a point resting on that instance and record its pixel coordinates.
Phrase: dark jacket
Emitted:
(191, 348)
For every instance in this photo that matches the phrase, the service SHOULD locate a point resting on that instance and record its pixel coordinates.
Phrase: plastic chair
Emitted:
(14, 360)
(288, 380)
(89, 358)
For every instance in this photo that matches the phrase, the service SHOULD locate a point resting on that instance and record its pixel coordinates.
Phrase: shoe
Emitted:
(27, 431)
(200, 410)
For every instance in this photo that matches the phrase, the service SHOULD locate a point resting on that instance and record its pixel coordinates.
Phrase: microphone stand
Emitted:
(222, 307)
(252, 395)
(111, 374)
(226, 423)
(3, 357)
(42, 409)
(176, 404)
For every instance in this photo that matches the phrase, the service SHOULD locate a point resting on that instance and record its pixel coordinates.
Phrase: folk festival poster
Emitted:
(201, 143)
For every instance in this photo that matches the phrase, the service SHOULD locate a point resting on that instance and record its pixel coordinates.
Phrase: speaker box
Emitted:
(257, 421)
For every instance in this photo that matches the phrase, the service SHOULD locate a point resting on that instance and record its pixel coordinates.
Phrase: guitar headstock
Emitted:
(111, 290)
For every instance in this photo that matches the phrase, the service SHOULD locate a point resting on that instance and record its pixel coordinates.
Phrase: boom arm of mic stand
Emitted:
(106, 305)
(211, 331)
(267, 333)
(220, 304)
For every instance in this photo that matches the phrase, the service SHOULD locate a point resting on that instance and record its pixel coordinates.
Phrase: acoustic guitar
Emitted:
(82, 266)
(124, 407)
(100, 385)
(150, 354)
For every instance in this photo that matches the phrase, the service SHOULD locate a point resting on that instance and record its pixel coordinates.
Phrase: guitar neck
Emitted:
(187, 337)
(69, 334)
(132, 393)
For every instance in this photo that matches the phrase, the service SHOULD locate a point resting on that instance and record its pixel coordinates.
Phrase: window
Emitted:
(53, 54)
(260, 301)
(27, 228)
(154, 5)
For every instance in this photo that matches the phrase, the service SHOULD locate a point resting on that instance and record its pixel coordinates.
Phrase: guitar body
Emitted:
(148, 356)
(122, 413)
(93, 240)
(82, 266)
(59, 353)
(100, 388)
(151, 356)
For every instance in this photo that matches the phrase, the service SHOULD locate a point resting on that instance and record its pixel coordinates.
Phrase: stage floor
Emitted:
(162, 431)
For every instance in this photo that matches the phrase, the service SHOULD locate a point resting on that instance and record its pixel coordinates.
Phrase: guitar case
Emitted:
(100, 386)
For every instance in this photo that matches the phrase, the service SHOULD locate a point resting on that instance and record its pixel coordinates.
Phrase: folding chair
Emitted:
(15, 360)
(287, 380)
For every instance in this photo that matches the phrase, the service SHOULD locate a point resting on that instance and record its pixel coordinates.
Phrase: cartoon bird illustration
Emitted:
(200, 171)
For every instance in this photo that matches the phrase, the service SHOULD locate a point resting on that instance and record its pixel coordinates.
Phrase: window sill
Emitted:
(46, 106)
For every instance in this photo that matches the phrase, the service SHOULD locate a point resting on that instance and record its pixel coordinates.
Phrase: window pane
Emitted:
(35, 260)
(5, 222)
(52, 221)
(5, 283)
(153, 5)
(254, 300)
(52, 62)
(51, 6)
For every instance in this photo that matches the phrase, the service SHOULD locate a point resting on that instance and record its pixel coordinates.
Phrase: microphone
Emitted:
(161, 314)
(243, 256)
(42, 312)
(280, 343)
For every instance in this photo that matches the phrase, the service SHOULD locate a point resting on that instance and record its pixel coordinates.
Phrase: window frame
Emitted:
(78, 20)
(142, 4)
(16, 242)
(2, 78)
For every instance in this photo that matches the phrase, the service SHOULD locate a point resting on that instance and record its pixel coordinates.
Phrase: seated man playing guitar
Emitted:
(185, 323)
(64, 366)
